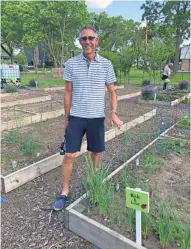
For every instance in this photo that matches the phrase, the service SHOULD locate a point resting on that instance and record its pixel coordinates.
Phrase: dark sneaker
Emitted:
(95, 247)
(59, 203)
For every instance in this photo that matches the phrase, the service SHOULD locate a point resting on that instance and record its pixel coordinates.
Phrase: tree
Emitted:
(126, 59)
(54, 24)
(11, 27)
(155, 56)
(21, 59)
(173, 16)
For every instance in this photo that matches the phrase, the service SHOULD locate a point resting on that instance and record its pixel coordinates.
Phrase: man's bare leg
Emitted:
(95, 156)
(67, 166)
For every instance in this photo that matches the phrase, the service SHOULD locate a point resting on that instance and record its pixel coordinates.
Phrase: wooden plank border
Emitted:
(33, 118)
(95, 232)
(26, 101)
(32, 171)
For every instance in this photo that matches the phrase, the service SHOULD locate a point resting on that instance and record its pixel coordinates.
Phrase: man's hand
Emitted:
(115, 120)
(65, 124)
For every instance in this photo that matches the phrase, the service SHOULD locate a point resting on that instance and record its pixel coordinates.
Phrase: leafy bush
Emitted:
(147, 92)
(183, 84)
(146, 82)
(11, 89)
(32, 82)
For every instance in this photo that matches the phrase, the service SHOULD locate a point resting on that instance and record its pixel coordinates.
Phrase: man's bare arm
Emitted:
(112, 97)
(67, 99)
(113, 105)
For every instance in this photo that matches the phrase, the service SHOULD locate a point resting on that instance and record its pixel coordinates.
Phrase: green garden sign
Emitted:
(137, 199)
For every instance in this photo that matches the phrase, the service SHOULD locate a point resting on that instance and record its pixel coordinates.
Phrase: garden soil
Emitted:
(27, 219)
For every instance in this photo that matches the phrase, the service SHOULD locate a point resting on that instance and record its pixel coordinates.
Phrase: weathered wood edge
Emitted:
(99, 234)
(26, 101)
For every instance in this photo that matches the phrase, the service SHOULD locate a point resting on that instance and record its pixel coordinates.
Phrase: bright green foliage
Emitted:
(155, 55)
(169, 20)
(184, 121)
(21, 59)
(146, 225)
(151, 163)
(99, 192)
(164, 230)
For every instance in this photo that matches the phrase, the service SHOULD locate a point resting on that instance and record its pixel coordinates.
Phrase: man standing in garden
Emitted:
(166, 74)
(86, 76)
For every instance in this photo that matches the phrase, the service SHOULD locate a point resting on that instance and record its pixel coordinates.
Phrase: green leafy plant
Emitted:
(13, 136)
(151, 163)
(99, 192)
(11, 89)
(146, 225)
(28, 146)
(185, 121)
(129, 218)
(164, 230)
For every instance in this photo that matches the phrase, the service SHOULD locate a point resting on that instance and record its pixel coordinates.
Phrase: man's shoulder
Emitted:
(73, 59)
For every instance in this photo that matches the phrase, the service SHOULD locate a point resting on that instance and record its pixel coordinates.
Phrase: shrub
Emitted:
(11, 89)
(183, 84)
(147, 92)
(146, 82)
(32, 82)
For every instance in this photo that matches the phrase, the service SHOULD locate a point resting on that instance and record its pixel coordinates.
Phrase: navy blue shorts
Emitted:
(95, 133)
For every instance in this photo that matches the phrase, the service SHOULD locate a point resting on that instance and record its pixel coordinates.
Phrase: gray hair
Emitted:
(170, 65)
(88, 27)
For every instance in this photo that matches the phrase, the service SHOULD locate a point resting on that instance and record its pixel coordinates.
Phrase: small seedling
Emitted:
(151, 163)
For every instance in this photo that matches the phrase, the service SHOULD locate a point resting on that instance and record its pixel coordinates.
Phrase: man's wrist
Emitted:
(114, 111)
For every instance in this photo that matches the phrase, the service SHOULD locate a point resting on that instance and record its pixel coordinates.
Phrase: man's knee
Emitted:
(69, 156)
(96, 154)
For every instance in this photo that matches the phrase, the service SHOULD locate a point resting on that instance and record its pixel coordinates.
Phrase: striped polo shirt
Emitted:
(88, 84)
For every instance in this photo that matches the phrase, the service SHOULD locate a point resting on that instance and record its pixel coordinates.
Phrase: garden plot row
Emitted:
(35, 150)
(160, 168)
(15, 116)
(169, 97)
(38, 228)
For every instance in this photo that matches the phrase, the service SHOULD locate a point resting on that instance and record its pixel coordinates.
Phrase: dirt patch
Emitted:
(26, 217)
(21, 96)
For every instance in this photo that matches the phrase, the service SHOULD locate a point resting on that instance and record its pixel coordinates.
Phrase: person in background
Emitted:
(86, 76)
(166, 74)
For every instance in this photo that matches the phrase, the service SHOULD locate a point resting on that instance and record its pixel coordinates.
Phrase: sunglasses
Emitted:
(85, 38)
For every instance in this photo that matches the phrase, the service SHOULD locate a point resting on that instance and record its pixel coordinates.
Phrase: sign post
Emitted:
(138, 200)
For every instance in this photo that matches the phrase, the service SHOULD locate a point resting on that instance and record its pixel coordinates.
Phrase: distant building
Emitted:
(42, 56)
(185, 58)
(5, 54)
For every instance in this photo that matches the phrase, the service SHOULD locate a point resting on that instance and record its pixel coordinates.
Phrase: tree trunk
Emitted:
(177, 55)
(36, 58)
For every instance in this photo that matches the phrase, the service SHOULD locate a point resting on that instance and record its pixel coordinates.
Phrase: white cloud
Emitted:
(99, 4)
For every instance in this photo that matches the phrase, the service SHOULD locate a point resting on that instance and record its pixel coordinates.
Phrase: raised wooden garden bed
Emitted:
(20, 177)
(101, 232)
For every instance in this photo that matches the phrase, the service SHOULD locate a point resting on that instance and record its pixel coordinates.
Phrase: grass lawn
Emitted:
(135, 77)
